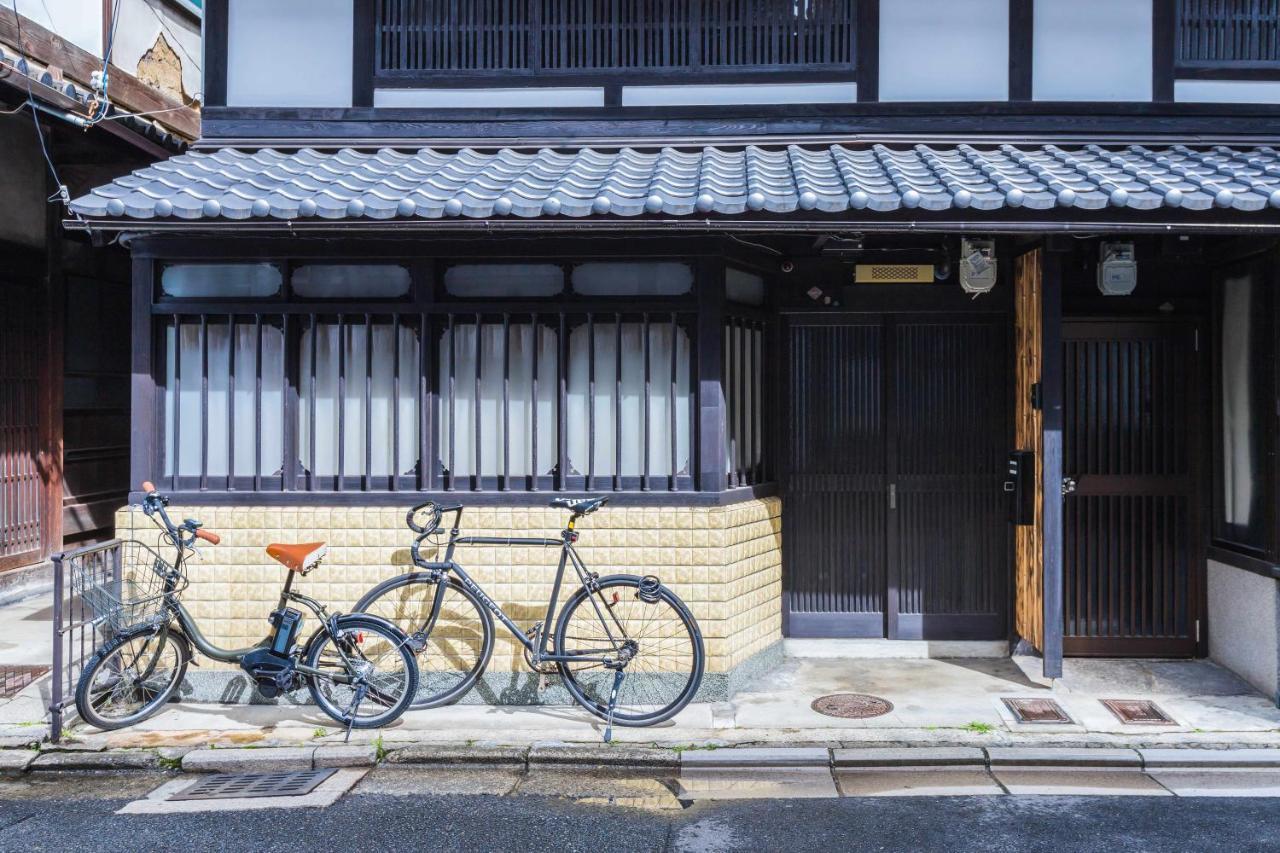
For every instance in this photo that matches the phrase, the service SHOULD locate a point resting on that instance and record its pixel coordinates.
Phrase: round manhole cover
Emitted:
(852, 706)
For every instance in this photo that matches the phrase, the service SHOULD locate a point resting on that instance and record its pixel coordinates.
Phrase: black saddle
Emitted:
(580, 506)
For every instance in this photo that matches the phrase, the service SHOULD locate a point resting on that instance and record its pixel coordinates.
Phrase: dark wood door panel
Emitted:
(833, 512)
(23, 403)
(1132, 542)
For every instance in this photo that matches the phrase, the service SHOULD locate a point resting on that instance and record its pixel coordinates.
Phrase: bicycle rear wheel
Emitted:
(663, 639)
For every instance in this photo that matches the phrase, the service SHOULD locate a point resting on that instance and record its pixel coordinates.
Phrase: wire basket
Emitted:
(125, 587)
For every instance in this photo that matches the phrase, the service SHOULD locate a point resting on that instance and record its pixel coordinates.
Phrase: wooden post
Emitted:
(710, 423)
(144, 401)
(1051, 386)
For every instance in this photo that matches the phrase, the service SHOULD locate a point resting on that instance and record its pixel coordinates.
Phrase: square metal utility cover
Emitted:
(1142, 712)
(1037, 711)
(232, 786)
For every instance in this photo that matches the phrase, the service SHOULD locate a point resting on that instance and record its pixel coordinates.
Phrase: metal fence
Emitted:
(75, 623)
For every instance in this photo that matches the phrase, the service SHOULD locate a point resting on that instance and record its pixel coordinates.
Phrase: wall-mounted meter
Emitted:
(1117, 269)
(977, 265)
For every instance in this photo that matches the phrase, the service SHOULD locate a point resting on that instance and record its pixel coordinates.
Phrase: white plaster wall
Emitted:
(531, 96)
(142, 22)
(1227, 91)
(944, 50)
(77, 21)
(740, 93)
(289, 53)
(1243, 637)
(1092, 50)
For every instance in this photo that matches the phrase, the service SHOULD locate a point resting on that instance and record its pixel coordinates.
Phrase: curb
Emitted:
(567, 756)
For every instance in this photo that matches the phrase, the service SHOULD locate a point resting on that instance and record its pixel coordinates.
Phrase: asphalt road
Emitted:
(76, 813)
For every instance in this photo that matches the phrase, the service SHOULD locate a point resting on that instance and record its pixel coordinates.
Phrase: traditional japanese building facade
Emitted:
(948, 321)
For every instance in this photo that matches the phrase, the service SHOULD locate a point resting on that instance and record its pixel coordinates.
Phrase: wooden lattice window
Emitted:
(629, 39)
(1228, 34)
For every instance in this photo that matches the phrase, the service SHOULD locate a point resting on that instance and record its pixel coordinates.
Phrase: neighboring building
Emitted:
(733, 262)
(64, 304)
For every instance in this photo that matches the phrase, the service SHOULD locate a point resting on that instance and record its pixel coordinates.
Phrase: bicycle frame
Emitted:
(537, 650)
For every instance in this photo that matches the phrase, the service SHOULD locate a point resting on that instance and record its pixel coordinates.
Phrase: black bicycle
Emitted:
(359, 669)
(626, 647)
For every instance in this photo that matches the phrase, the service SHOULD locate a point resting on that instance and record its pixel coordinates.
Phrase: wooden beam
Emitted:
(364, 34)
(1021, 37)
(144, 456)
(709, 424)
(1051, 391)
(868, 51)
(127, 91)
(1163, 17)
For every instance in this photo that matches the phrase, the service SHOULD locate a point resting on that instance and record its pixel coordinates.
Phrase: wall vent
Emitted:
(893, 273)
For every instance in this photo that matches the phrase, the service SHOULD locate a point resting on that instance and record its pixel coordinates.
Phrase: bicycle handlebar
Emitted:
(154, 503)
(437, 514)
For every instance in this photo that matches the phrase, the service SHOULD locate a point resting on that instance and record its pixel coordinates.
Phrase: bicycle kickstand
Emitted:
(618, 675)
(361, 691)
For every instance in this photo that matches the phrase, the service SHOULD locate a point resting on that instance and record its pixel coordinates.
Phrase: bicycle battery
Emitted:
(286, 622)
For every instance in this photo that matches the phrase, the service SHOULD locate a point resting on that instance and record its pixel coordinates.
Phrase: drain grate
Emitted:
(1037, 711)
(1140, 712)
(852, 706)
(14, 678)
(234, 786)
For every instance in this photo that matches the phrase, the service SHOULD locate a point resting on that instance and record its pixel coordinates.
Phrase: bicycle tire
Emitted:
(397, 644)
(86, 708)
(592, 693)
(434, 688)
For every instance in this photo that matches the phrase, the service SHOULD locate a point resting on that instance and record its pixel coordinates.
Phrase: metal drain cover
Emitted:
(1141, 712)
(852, 706)
(235, 786)
(1036, 711)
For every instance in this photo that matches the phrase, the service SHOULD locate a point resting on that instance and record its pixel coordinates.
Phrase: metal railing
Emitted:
(75, 623)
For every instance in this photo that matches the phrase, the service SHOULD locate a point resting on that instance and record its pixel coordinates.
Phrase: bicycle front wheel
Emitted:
(654, 629)
(450, 632)
(130, 678)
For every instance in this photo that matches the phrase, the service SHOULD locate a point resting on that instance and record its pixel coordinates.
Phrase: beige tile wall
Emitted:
(725, 562)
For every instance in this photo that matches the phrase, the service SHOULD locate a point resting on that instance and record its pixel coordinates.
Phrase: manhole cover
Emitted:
(1142, 712)
(1037, 711)
(852, 706)
(234, 786)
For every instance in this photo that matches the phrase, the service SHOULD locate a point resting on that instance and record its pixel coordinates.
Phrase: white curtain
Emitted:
(742, 353)
(352, 351)
(183, 414)
(605, 407)
(1237, 402)
(516, 431)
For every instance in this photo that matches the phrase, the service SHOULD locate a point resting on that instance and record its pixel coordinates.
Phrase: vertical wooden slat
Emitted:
(452, 479)
(475, 406)
(617, 402)
(367, 469)
(204, 402)
(176, 450)
(231, 403)
(257, 403)
(506, 403)
(533, 395)
(315, 427)
(672, 478)
(343, 331)
(648, 404)
(396, 327)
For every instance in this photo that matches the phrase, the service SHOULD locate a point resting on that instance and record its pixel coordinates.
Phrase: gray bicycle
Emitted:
(625, 646)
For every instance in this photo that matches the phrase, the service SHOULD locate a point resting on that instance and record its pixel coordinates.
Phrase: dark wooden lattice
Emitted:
(1232, 33)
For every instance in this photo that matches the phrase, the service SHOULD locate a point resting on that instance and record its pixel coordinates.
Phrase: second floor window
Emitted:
(1228, 34)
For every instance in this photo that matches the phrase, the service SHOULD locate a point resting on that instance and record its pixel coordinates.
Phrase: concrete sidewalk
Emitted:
(950, 702)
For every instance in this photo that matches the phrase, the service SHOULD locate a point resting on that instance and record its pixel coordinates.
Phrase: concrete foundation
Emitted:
(1244, 625)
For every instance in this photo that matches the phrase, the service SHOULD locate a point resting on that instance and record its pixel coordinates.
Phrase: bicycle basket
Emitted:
(125, 588)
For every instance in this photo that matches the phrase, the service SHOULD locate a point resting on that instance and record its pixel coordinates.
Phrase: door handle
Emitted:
(1068, 485)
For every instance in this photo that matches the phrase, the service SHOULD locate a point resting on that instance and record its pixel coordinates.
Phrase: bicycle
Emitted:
(626, 647)
(351, 663)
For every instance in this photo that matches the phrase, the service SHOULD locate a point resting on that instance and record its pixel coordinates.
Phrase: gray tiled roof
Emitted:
(348, 184)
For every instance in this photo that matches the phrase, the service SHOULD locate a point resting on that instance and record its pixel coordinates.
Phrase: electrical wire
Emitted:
(164, 25)
(104, 105)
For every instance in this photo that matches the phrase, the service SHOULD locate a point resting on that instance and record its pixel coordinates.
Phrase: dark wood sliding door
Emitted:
(895, 520)
(1132, 543)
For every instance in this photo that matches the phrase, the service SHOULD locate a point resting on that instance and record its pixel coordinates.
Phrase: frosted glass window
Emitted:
(744, 410)
(361, 281)
(184, 418)
(221, 281)
(742, 287)
(1244, 401)
(349, 356)
(514, 433)
(510, 280)
(604, 404)
(633, 279)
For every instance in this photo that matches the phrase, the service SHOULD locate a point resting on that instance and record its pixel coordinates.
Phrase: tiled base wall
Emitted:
(725, 562)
